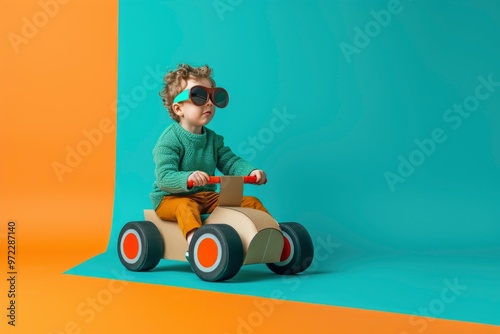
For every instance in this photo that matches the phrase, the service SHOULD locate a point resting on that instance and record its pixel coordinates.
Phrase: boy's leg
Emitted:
(212, 199)
(254, 203)
(185, 210)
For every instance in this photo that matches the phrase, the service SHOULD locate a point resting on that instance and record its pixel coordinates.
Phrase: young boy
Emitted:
(188, 151)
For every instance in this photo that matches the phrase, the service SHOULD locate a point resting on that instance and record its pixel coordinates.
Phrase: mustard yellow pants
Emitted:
(186, 209)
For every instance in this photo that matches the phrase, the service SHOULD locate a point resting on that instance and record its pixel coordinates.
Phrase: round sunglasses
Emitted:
(199, 95)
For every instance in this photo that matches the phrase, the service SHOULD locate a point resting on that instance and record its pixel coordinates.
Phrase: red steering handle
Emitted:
(216, 179)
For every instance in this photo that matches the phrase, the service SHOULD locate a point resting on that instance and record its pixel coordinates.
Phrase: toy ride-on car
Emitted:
(230, 237)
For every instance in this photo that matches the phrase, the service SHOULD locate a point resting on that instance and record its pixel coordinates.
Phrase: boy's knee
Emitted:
(186, 205)
(252, 200)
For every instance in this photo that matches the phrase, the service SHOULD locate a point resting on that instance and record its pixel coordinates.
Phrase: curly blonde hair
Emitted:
(175, 81)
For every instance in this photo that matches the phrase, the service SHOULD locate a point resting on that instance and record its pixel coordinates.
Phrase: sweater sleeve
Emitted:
(168, 176)
(229, 163)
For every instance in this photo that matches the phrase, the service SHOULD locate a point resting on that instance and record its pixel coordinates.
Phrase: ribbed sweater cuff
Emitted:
(179, 183)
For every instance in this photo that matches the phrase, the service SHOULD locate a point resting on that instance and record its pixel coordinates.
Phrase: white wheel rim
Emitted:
(219, 253)
(292, 251)
(122, 250)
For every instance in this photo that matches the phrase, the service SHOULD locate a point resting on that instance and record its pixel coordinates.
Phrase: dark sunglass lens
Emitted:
(198, 96)
(220, 97)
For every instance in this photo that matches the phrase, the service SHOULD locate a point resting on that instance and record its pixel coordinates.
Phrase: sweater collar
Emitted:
(189, 135)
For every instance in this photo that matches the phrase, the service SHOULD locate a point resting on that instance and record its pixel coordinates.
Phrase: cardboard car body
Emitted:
(235, 235)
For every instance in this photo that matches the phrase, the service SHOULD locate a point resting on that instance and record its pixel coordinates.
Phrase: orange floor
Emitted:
(57, 88)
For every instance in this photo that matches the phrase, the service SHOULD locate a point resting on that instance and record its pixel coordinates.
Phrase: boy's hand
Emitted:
(261, 176)
(199, 178)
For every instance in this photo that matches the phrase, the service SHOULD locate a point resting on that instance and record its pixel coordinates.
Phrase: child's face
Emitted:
(193, 117)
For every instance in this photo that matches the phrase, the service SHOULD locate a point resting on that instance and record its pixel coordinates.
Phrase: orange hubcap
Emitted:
(287, 249)
(207, 252)
(131, 246)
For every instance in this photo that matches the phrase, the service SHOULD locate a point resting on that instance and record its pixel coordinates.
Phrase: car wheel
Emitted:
(140, 246)
(298, 250)
(216, 252)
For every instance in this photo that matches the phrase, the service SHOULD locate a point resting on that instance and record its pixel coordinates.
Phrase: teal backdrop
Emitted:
(377, 122)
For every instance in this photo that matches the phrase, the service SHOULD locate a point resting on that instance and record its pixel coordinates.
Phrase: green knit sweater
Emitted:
(178, 153)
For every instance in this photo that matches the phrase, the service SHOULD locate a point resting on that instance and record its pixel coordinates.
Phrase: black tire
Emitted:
(298, 251)
(216, 252)
(140, 246)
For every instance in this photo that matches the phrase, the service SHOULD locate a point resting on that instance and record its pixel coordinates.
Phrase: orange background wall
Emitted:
(58, 83)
